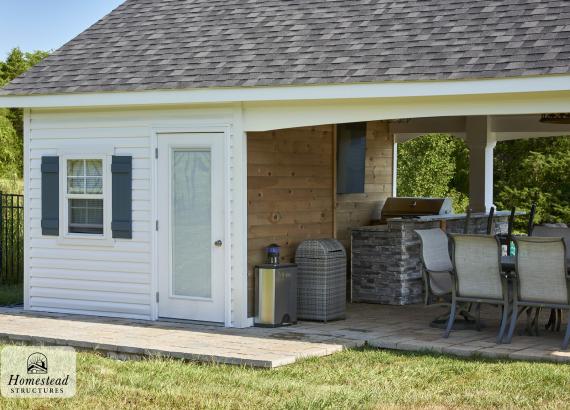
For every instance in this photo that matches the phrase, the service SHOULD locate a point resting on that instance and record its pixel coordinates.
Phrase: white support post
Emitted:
(481, 142)
(395, 168)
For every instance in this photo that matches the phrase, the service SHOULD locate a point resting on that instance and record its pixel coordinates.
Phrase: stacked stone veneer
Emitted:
(386, 264)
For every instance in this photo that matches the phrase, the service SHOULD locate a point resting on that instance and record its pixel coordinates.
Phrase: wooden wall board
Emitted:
(290, 191)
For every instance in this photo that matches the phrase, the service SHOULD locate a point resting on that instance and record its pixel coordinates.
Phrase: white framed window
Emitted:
(86, 197)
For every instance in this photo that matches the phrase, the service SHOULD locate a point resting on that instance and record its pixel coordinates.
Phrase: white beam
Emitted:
(264, 116)
(509, 127)
(395, 170)
(416, 127)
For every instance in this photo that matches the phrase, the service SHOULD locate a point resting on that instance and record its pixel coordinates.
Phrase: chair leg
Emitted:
(551, 324)
(528, 327)
(504, 320)
(451, 320)
(478, 317)
(536, 331)
(567, 336)
(513, 323)
(558, 319)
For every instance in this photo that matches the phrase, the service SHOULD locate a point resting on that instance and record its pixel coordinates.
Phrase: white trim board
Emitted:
(291, 93)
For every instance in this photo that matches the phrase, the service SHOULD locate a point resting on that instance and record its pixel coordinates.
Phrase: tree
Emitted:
(10, 151)
(534, 170)
(11, 120)
(17, 63)
(434, 165)
(525, 171)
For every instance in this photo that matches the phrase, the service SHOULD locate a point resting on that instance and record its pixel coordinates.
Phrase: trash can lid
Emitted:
(320, 248)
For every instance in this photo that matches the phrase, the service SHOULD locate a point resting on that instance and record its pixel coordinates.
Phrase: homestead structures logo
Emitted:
(33, 372)
(37, 363)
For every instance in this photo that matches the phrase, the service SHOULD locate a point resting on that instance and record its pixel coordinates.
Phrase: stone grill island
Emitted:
(385, 259)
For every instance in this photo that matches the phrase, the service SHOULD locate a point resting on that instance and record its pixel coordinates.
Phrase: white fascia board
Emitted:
(264, 116)
(292, 93)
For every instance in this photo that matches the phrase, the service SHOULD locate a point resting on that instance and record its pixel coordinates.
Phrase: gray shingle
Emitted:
(176, 44)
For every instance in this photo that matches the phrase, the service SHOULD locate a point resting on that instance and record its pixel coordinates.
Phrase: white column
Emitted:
(395, 167)
(481, 142)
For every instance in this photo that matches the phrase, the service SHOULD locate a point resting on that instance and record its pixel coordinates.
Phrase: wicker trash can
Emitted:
(321, 279)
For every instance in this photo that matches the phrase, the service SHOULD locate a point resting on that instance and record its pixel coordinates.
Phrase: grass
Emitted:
(363, 378)
(11, 295)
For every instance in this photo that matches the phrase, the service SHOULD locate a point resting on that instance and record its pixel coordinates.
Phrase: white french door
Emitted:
(191, 218)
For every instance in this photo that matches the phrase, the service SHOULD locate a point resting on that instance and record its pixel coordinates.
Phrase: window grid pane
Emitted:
(75, 167)
(85, 177)
(93, 168)
(86, 216)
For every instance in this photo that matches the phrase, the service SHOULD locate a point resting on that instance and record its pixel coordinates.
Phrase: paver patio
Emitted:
(391, 327)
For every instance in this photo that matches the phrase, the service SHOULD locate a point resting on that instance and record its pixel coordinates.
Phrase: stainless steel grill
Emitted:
(408, 207)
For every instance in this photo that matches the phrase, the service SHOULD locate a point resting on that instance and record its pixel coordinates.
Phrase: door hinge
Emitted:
(156, 225)
(156, 153)
(157, 298)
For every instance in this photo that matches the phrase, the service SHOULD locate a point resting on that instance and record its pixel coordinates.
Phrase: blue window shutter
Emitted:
(122, 222)
(50, 196)
(351, 158)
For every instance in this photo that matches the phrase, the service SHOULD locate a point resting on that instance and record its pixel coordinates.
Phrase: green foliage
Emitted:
(534, 170)
(525, 171)
(10, 150)
(11, 295)
(17, 63)
(435, 165)
(11, 120)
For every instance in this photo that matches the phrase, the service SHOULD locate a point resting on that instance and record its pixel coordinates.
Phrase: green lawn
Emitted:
(11, 295)
(365, 378)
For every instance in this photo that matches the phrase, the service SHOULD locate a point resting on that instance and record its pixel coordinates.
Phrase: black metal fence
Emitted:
(11, 238)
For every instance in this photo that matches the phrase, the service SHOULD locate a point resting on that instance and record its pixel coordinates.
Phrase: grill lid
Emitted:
(409, 207)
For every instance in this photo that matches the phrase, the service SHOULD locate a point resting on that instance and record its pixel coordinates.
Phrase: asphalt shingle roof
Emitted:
(175, 44)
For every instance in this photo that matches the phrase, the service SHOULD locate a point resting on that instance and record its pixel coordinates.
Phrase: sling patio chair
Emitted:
(436, 264)
(478, 278)
(552, 231)
(542, 279)
(436, 271)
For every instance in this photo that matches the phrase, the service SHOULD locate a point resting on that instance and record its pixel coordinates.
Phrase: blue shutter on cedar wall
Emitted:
(351, 158)
(122, 181)
(50, 196)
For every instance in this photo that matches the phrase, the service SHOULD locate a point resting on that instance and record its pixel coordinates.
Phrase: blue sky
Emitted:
(47, 24)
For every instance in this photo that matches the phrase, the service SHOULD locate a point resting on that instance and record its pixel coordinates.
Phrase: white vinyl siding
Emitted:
(111, 278)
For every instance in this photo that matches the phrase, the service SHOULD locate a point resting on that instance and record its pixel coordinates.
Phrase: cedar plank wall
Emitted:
(354, 210)
(290, 191)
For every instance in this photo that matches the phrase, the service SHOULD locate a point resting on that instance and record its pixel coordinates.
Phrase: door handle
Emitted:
(218, 243)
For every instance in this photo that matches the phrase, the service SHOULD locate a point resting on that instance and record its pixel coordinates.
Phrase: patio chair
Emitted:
(477, 277)
(553, 232)
(555, 320)
(436, 264)
(542, 280)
